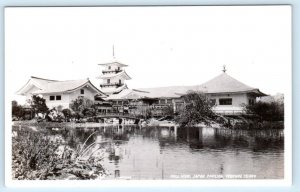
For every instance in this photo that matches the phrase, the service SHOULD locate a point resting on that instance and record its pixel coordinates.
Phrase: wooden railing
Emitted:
(116, 115)
(111, 71)
(111, 84)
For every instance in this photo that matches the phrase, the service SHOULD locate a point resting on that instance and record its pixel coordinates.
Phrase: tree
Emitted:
(38, 104)
(17, 110)
(197, 109)
(273, 111)
(80, 105)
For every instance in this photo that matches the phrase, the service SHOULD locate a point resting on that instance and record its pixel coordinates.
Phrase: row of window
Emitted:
(225, 101)
(109, 68)
(58, 97)
(228, 101)
(164, 101)
(108, 81)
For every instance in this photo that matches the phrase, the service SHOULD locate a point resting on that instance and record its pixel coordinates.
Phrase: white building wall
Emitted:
(64, 102)
(30, 91)
(237, 99)
(88, 93)
(67, 98)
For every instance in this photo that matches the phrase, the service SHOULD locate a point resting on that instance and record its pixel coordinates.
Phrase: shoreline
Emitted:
(96, 125)
(73, 125)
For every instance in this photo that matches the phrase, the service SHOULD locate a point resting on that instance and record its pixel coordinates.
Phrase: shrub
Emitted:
(89, 112)
(67, 113)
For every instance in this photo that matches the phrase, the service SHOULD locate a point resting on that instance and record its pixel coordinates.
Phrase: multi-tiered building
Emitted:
(113, 78)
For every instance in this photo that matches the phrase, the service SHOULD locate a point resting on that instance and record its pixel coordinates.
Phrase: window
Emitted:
(118, 68)
(251, 101)
(225, 101)
(169, 101)
(108, 81)
(162, 101)
(109, 67)
(58, 97)
(52, 98)
(82, 91)
(120, 82)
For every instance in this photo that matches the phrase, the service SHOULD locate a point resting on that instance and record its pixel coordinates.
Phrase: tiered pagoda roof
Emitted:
(122, 74)
(114, 63)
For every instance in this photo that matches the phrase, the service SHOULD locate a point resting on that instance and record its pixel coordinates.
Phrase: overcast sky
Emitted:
(163, 46)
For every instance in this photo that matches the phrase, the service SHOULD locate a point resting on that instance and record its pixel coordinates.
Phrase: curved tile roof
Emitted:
(114, 63)
(223, 84)
(54, 86)
(123, 74)
(63, 86)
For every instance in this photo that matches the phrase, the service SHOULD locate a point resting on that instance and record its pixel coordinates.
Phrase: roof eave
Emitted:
(256, 91)
(91, 85)
(21, 91)
(112, 63)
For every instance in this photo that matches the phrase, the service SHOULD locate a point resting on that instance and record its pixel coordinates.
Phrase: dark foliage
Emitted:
(17, 110)
(168, 111)
(81, 106)
(273, 111)
(89, 112)
(196, 110)
(67, 113)
(38, 104)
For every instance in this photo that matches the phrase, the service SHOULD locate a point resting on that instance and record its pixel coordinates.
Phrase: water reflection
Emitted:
(158, 153)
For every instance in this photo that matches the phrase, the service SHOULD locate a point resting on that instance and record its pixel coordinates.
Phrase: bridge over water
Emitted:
(117, 115)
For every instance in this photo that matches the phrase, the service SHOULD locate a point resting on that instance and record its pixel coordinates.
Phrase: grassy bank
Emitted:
(36, 157)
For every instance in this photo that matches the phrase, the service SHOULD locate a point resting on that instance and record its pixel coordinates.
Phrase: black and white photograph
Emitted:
(148, 93)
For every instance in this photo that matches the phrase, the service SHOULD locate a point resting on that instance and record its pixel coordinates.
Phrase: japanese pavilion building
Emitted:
(226, 94)
(61, 93)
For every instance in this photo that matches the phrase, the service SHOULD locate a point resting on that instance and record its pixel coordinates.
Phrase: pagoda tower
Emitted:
(113, 77)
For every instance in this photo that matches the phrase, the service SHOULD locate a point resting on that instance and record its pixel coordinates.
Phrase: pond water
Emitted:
(185, 153)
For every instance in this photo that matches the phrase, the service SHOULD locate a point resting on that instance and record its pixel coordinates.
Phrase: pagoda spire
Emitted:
(224, 69)
(113, 52)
